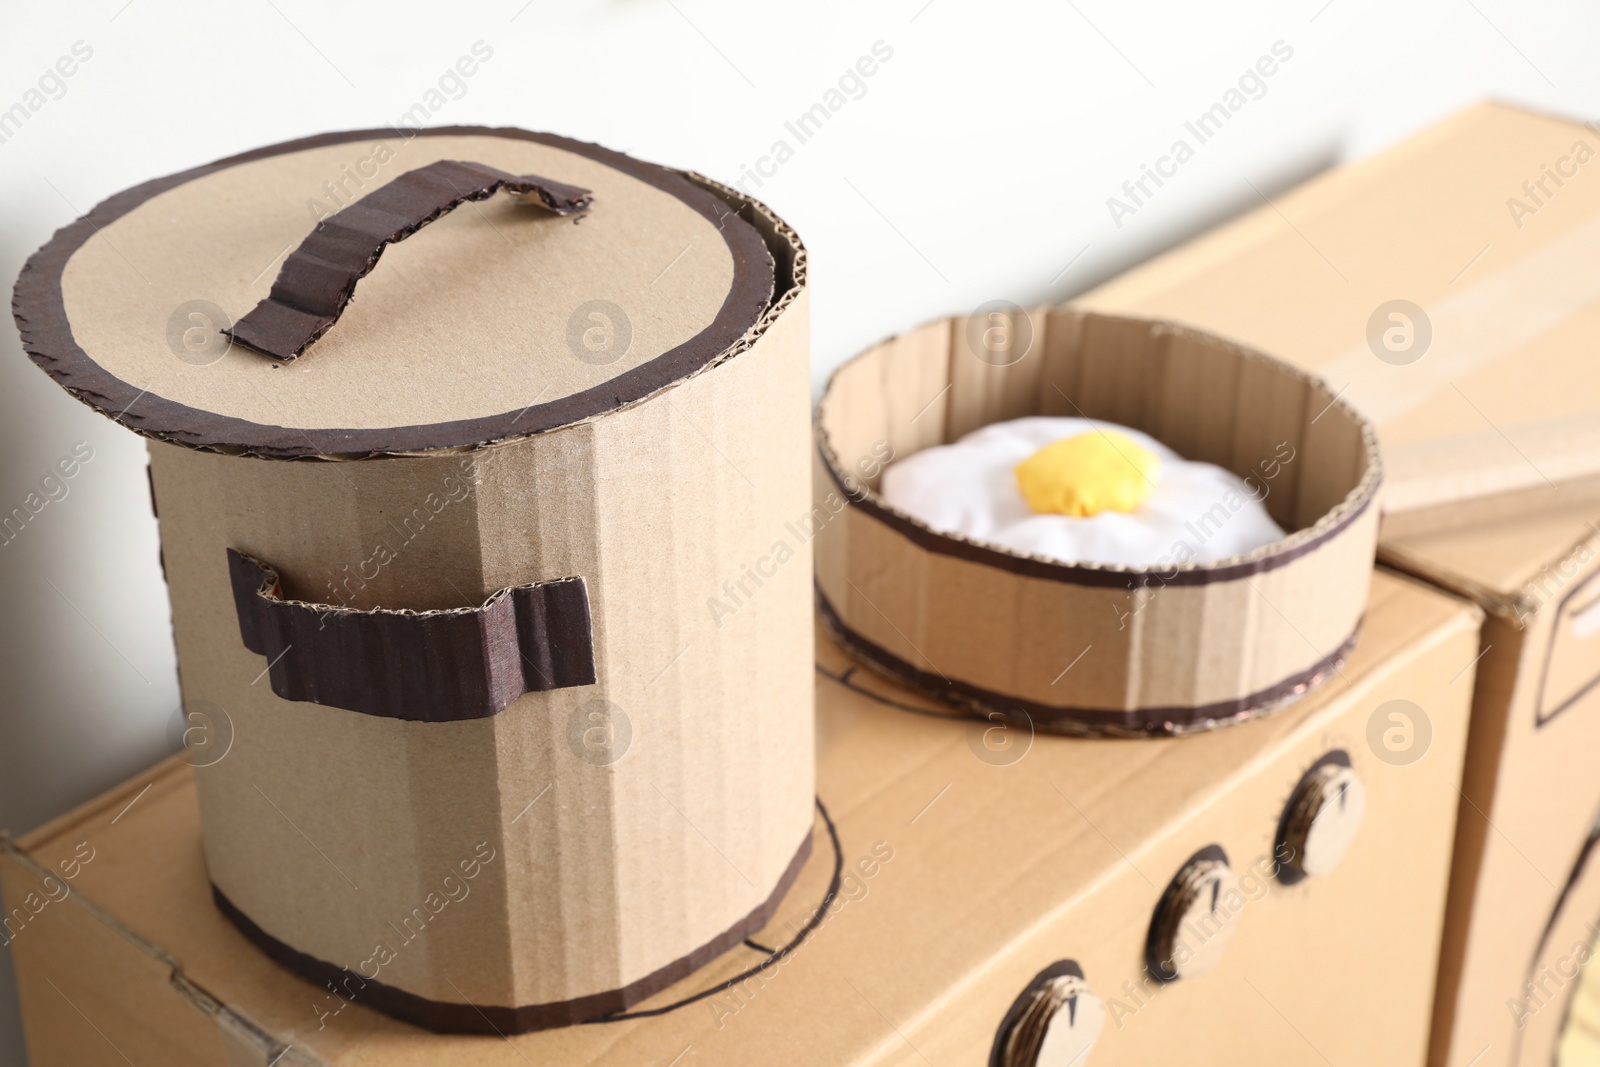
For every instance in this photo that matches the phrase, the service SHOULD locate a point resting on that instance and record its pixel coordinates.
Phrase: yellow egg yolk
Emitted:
(1101, 470)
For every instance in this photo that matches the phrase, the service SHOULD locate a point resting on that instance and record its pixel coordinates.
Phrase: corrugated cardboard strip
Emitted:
(429, 666)
(318, 279)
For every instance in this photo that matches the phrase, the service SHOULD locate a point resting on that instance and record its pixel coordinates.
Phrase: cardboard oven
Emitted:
(470, 743)
(1175, 648)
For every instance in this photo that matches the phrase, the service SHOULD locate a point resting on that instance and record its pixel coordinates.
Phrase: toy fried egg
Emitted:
(1081, 491)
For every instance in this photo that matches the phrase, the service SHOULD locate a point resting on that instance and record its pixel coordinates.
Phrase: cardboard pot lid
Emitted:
(497, 319)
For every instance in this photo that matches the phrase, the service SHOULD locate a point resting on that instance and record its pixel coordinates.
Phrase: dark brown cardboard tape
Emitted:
(317, 280)
(1079, 721)
(448, 1017)
(428, 666)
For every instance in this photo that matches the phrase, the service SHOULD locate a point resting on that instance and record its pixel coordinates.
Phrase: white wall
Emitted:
(976, 165)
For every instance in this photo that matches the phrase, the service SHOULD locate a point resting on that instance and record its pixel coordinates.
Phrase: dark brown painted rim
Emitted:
(1170, 720)
(1109, 575)
(448, 1017)
(40, 313)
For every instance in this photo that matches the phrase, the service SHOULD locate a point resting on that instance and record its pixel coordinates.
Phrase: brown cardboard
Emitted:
(1445, 220)
(1087, 647)
(972, 864)
(1525, 896)
(1560, 1013)
(1490, 461)
(427, 666)
(317, 280)
(677, 277)
(583, 845)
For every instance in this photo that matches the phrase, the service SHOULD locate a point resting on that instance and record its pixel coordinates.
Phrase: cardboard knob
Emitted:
(1196, 918)
(1054, 1023)
(1323, 817)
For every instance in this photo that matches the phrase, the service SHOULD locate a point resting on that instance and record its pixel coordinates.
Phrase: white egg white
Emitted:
(1197, 512)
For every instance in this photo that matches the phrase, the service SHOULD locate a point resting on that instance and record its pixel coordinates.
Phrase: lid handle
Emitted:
(318, 279)
(432, 666)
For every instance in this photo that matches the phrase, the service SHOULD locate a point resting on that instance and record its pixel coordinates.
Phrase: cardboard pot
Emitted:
(471, 748)
(1087, 648)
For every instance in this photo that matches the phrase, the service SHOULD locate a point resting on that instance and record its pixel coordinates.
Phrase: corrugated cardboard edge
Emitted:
(791, 267)
(47, 336)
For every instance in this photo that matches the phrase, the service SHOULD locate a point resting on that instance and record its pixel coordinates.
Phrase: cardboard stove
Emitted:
(439, 583)
(1218, 887)
(1449, 288)
(972, 873)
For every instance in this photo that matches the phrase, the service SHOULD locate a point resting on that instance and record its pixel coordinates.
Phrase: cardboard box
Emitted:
(1473, 225)
(1088, 647)
(1525, 893)
(972, 860)
(450, 568)
(1487, 224)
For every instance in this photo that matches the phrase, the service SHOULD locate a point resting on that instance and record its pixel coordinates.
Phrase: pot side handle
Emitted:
(430, 666)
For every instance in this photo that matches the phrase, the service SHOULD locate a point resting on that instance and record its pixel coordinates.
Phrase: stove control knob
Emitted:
(1054, 1023)
(1196, 918)
(1322, 819)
